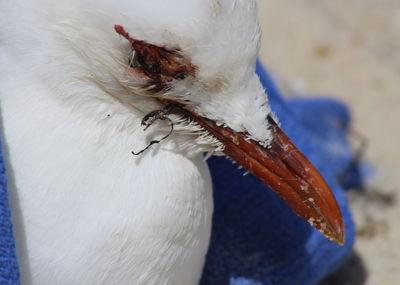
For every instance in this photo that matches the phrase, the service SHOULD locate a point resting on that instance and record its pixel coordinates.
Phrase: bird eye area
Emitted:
(156, 63)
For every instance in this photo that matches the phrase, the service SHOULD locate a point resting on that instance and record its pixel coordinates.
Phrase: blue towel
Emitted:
(256, 239)
(8, 261)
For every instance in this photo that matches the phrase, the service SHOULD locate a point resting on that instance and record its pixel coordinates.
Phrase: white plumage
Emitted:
(86, 211)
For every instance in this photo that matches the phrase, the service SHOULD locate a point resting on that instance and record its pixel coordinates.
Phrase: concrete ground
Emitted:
(350, 49)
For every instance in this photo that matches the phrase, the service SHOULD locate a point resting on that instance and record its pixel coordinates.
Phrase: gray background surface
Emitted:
(350, 49)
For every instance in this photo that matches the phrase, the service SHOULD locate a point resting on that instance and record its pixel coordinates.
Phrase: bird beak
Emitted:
(286, 170)
(280, 165)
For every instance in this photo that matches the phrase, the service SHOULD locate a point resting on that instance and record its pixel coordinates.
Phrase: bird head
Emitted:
(195, 60)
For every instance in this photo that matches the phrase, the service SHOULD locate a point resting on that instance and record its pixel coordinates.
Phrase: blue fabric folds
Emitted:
(256, 238)
(8, 261)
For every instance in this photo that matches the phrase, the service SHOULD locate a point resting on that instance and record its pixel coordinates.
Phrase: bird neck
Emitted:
(71, 167)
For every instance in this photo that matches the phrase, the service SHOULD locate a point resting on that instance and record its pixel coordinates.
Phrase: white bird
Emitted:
(76, 80)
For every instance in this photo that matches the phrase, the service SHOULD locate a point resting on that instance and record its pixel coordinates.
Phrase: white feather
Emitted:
(86, 211)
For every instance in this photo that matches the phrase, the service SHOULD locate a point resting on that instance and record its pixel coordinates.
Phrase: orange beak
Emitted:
(286, 170)
(281, 165)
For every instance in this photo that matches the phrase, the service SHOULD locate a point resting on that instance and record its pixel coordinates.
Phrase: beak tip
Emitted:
(340, 236)
(335, 232)
(340, 240)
